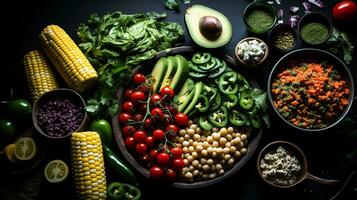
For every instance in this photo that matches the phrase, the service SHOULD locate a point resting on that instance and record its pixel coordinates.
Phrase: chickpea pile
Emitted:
(209, 154)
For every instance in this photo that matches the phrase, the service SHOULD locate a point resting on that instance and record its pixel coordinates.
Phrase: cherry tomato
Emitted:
(167, 119)
(130, 142)
(168, 92)
(172, 128)
(124, 117)
(157, 113)
(158, 135)
(144, 159)
(141, 148)
(345, 10)
(128, 130)
(139, 78)
(128, 106)
(127, 93)
(172, 109)
(181, 119)
(176, 152)
(153, 154)
(142, 108)
(147, 123)
(145, 88)
(170, 175)
(155, 98)
(178, 164)
(138, 117)
(150, 141)
(140, 136)
(156, 172)
(137, 96)
(163, 159)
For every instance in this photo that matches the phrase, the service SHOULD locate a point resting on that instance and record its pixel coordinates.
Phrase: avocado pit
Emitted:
(210, 27)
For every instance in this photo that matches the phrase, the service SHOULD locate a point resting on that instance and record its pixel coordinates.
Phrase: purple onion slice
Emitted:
(294, 9)
(317, 3)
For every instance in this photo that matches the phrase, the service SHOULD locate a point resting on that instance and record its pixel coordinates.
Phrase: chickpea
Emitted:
(214, 154)
(218, 166)
(215, 144)
(243, 137)
(185, 161)
(195, 163)
(216, 136)
(205, 176)
(221, 172)
(222, 141)
(200, 174)
(191, 168)
(241, 144)
(190, 122)
(199, 148)
(190, 141)
(184, 170)
(182, 132)
(203, 161)
(243, 151)
(199, 166)
(190, 132)
(236, 141)
(223, 131)
(230, 162)
(226, 157)
(209, 150)
(222, 162)
(205, 168)
(195, 143)
(181, 139)
(190, 159)
(194, 154)
(229, 137)
(205, 145)
(230, 130)
(193, 126)
(228, 144)
(237, 154)
(212, 176)
(185, 150)
(195, 172)
(226, 150)
(185, 143)
(196, 137)
(209, 139)
(205, 132)
(215, 129)
(191, 149)
(198, 130)
(204, 153)
(219, 150)
(186, 155)
(188, 175)
(233, 149)
(187, 137)
(209, 161)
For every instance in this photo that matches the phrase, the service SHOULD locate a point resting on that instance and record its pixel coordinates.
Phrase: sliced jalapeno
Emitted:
(208, 65)
(245, 100)
(204, 124)
(230, 101)
(255, 121)
(227, 83)
(195, 68)
(116, 191)
(218, 71)
(237, 118)
(216, 102)
(196, 75)
(242, 83)
(219, 118)
(202, 104)
(201, 58)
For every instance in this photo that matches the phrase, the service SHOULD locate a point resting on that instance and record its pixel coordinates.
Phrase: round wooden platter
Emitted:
(187, 52)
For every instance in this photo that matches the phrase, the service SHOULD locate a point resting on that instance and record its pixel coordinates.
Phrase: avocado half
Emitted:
(207, 27)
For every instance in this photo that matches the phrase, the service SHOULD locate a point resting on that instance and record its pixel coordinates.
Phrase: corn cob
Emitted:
(68, 59)
(88, 166)
(39, 74)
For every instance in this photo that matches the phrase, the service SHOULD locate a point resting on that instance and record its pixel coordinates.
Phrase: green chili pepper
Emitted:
(216, 102)
(227, 83)
(122, 191)
(255, 121)
(219, 118)
(237, 118)
(119, 166)
(215, 73)
(202, 104)
(231, 101)
(195, 68)
(204, 124)
(210, 65)
(242, 83)
(201, 58)
(245, 100)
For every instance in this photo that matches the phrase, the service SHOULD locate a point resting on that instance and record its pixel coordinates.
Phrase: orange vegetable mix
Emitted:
(311, 95)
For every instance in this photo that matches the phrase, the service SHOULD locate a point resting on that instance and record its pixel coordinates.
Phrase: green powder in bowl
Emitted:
(314, 33)
(260, 20)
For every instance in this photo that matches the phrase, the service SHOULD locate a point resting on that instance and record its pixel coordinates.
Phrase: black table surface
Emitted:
(28, 18)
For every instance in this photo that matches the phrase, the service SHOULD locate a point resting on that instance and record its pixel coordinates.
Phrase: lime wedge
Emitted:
(56, 171)
(25, 148)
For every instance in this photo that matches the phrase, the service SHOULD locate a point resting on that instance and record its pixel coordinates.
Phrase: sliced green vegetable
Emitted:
(198, 90)
(227, 83)
(237, 118)
(202, 104)
(204, 124)
(245, 100)
(122, 191)
(242, 83)
(219, 71)
(208, 65)
(219, 118)
(230, 101)
(216, 102)
(195, 68)
(201, 58)
(196, 75)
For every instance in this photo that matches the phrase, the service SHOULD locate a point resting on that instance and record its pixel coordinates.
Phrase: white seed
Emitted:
(223, 131)
(205, 168)
(214, 129)
(185, 150)
(185, 143)
(195, 172)
(193, 126)
(237, 154)
(194, 154)
(188, 175)
(190, 132)
(230, 130)
(233, 149)
(243, 137)
(226, 157)
(191, 149)
(210, 161)
(215, 144)
(229, 137)
(226, 150)
(187, 137)
(221, 172)
(205, 145)
(190, 159)
(210, 139)
(238, 135)
(199, 166)
(216, 136)
(222, 162)
(199, 148)
(195, 163)
(190, 122)
(191, 168)
(181, 139)
(203, 161)
(187, 155)
(243, 151)
(205, 176)
(204, 153)
(212, 176)
(214, 154)
(196, 137)
(185, 161)
(222, 141)
(241, 144)
(198, 130)
(195, 143)
(228, 144)
(218, 166)
(190, 141)
(213, 168)
(209, 150)
(182, 132)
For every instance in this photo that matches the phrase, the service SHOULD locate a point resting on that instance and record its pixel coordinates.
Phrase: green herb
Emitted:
(260, 19)
(314, 32)
(284, 40)
(341, 39)
(172, 5)
(117, 42)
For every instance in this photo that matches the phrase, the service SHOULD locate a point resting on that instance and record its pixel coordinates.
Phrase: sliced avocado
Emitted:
(198, 89)
(159, 72)
(181, 72)
(170, 72)
(207, 27)
(186, 94)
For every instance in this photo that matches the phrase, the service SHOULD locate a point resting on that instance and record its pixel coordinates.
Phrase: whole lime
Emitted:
(103, 128)
(7, 131)
(20, 109)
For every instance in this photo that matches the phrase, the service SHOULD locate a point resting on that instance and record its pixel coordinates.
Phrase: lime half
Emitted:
(25, 148)
(56, 171)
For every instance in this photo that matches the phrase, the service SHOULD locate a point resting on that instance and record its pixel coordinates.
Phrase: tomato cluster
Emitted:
(149, 122)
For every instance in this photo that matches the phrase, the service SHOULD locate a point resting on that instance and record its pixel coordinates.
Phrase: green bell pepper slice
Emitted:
(208, 66)
(238, 118)
(216, 101)
(246, 100)
(123, 191)
(201, 58)
(202, 104)
(204, 124)
(230, 101)
(227, 83)
(242, 83)
(219, 118)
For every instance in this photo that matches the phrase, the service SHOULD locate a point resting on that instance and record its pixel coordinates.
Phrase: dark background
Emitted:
(21, 22)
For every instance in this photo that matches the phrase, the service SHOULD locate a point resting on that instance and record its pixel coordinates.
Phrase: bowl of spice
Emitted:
(251, 51)
(315, 28)
(282, 164)
(59, 113)
(283, 38)
(259, 17)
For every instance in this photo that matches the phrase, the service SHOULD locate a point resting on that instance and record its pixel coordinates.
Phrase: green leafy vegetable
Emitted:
(115, 43)
(338, 40)
(172, 4)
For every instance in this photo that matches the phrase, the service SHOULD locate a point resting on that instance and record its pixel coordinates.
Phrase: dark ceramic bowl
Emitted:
(315, 17)
(312, 55)
(263, 6)
(186, 51)
(62, 92)
(282, 28)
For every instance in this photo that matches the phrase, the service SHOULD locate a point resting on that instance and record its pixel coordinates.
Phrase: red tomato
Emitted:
(168, 92)
(130, 142)
(142, 108)
(140, 136)
(158, 135)
(145, 88)
(157, 113)
(128, 106)
(156, 172)
(172, 109)
(144, 158)
(137, 96)
(141, 148)
(167, 119)
(150, 141)
(128, 130)
(153, 154)
(172, 128)
(345, 10)
(127, 93)
(147, 123)
(178, 164)
(155, 98)
(138, 117)
(181, 119)
(170, 175)
(163, 159)
(176, 152)
(124, 117)
(139, 78)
